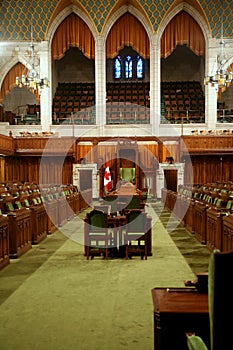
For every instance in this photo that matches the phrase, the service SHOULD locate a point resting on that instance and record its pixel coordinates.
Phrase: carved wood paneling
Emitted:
(208, 168)
(6, 145)
(211, 144)
(38, 145)
(49, 170)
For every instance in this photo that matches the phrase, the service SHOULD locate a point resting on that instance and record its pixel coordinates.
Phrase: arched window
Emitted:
(128, 67)
(117, 68)
(140, 68)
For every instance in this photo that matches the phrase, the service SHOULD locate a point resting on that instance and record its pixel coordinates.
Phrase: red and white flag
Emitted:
(107, 178)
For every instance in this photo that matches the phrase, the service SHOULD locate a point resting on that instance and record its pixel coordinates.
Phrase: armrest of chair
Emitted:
(195, 343)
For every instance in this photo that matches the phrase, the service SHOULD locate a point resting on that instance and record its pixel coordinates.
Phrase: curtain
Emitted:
(9, 81)
(10, 78)
(73, 32)
(182, 30)
(127, 31)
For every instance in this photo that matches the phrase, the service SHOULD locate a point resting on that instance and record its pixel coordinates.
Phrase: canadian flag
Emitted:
(107, 178)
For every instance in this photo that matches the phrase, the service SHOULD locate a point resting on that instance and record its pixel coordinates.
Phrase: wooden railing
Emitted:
(206, 144)
(46, 145)
(6, 145)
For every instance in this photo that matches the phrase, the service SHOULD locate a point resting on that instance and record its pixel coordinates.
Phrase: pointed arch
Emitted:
(195, 14)
(62, 12)
(9, 82)
(72, 32)
(127, 31)
(182, 30)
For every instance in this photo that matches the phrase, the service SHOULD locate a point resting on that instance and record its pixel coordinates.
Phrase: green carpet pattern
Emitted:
(52, 298)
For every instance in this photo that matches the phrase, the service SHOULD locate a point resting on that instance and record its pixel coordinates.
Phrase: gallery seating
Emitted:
(74, 103)
(183, 101)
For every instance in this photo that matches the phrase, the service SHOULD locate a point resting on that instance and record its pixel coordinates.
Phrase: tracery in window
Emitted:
(140, 68)
(128, 67)
(117, 68)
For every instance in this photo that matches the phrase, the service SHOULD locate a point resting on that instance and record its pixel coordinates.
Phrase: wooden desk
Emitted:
(228, 233)
(20, 236)
(4, 242)
(177, 312)
(200, 221)
(118, 224)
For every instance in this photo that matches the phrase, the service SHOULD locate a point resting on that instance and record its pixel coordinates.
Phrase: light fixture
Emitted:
(31, 79)
(222, 77)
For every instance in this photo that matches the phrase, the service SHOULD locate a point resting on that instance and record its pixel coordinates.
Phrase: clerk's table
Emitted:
(178, 311)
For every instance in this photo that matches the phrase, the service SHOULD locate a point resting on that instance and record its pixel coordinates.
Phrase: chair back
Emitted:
(97, 220)
(136, 221)
(220, 297)
(112, 201)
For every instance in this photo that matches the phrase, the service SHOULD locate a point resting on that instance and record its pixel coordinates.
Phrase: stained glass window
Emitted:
(128, 67)
(117, 68)
(139, 67)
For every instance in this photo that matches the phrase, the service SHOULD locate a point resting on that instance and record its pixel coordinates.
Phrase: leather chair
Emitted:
(220, 299)
(98, 239)
(136, 235)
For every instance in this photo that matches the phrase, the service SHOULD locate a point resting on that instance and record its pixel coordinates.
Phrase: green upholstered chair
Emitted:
(135, 202)
(98, 239)
(136, 235)
(220, 299)
(127, 174)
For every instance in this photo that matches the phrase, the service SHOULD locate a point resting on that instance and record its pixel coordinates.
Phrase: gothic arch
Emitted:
(121, 11)
(65, 13)
(192, 12)
(7, 70)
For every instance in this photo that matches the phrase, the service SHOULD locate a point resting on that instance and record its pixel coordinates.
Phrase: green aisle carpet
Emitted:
(52, 298)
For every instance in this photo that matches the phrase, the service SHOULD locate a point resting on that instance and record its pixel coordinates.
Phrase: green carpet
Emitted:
(196, 254)
(53, 298)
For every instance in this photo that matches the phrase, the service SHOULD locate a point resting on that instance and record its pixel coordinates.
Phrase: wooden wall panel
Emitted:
(171, 149)
(2, 169)
(206, 143)
(51, 170)
(107, 151)
(55, 170)
(148, 152)
(208, 168)
(85, 150)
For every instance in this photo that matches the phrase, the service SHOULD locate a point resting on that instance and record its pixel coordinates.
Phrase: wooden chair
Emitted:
(98, 239)
(220, 288)
(135, 202)
(136, 236)
(111, 200)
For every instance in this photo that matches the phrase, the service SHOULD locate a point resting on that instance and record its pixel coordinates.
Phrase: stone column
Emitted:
(154, 87)
(100, 84)
(211, 91)
(46, 94)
